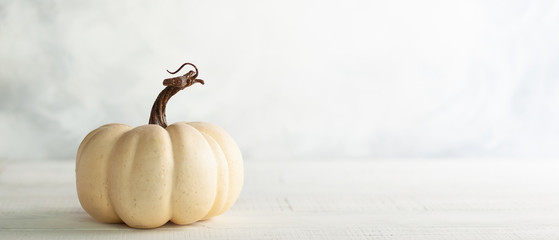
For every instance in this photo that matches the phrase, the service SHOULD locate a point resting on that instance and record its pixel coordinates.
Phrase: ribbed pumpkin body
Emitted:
(148, 175)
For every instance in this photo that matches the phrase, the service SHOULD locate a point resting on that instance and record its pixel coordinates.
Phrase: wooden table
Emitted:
(342, 199)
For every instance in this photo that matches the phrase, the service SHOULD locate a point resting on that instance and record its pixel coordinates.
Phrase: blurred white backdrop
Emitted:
(288, 79)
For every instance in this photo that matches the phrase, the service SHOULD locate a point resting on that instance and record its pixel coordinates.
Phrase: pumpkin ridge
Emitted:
(173, 177)
(232, 155)
(194, 158)
(107, 170)
(214, 144)
(110, 176)
(109, 131)
(141, 170)
(170, 184)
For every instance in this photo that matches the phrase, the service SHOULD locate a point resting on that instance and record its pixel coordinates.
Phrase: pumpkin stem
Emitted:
(174, 85)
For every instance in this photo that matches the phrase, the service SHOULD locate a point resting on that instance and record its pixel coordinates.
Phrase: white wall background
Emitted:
(288, 79)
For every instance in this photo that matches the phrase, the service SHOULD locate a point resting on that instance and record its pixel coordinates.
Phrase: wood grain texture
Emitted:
(344, 199)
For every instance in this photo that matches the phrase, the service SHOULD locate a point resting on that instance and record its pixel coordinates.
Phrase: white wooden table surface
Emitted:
(345, 199)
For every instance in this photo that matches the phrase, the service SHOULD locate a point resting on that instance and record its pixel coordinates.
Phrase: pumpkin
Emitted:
(152, 174)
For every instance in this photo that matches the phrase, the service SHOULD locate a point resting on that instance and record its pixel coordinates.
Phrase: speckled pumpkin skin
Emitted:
(149, 175)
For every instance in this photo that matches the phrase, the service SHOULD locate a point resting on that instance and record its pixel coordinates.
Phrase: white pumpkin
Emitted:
(148, 175)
